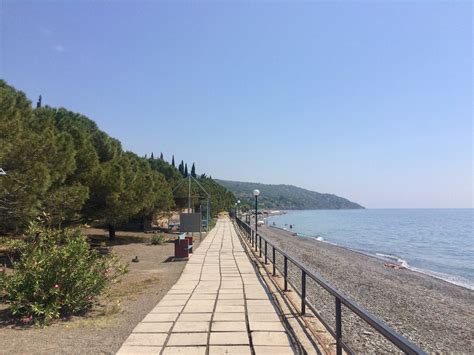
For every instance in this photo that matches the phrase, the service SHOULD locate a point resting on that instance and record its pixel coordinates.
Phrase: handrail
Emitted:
(340, 298)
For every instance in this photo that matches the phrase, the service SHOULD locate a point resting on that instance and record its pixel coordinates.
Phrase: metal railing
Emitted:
(255, 241)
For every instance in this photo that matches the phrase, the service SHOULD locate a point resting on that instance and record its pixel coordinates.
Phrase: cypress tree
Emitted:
(186, 170)
(151, 156)
(38, 104)
(161, 156)
(172, 161)
(193, 171)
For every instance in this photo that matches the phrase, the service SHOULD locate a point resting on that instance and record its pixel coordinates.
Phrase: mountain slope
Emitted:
(286, 196)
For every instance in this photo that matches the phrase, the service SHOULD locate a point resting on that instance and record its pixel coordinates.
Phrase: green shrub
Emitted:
(157, 239)
(57, 275)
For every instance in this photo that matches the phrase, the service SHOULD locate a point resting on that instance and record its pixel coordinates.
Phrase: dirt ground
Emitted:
(107, 325)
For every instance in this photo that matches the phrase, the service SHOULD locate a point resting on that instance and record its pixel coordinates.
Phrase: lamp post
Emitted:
(256, 193)
(238, 203)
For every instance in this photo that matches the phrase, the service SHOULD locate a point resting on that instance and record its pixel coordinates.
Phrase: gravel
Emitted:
(433, 314)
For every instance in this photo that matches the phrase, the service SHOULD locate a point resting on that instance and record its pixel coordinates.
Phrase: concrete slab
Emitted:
(231, 302)
(185, 327)
(204, 308)
(234, 317)
(167, 309)
(160, 317)
(229, 350)
(231, 296)
(185, 350)
(270, 338)
(229, 327)
(266, 326)
(146, 339)
(230, 309)
(273, 350)
(229, 338)
(195, 317)
(187, 339)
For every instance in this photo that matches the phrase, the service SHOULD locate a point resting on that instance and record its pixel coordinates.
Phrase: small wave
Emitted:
(320, 239)
(399, 260)
(456, 280)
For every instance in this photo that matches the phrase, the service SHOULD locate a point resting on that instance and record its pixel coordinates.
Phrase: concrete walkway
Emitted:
(218, 306)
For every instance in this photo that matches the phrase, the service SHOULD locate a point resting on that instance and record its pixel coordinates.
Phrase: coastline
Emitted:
(431, 312)
(391, 259)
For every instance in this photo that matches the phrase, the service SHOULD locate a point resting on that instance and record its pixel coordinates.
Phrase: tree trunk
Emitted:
(111, 232)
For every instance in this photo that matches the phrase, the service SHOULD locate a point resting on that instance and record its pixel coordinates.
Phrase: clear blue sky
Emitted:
(368, 100)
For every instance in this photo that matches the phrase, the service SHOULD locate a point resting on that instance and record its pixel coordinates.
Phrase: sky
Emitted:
(371, 101)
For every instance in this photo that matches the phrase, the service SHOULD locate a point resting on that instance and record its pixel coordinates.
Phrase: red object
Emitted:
(181, 248)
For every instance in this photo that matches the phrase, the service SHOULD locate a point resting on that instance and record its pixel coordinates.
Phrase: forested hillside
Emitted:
(63, 169)
(286, 197)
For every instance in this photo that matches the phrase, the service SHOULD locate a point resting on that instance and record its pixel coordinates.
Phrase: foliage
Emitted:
(285, 197)
(157, 239)
(57, 275)
(221, 198)
(59, 164)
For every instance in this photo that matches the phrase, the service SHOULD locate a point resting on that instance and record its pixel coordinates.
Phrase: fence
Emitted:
(255, 241)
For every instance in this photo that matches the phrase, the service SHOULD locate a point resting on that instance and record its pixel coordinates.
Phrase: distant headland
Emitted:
(287, 197)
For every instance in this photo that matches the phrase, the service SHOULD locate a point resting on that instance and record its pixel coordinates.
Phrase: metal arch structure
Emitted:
(189, 179)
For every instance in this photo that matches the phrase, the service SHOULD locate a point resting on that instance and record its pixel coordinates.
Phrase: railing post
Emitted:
(266, 262)
(273, 258)
(285, 272)
(251, 236)
(338, 327)
(260, 242)
(256, 242)
(303, 292)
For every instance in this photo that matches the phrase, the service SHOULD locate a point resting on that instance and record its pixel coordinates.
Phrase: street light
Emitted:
(256, 193)
(238, 203)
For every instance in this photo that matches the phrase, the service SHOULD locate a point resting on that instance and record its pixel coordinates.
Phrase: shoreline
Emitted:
(452, 279)
(432, 313)
(389, 259)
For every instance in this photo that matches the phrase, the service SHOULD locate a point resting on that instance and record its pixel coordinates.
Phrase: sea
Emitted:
(436, 242)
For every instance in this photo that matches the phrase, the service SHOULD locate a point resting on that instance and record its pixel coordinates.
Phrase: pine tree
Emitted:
(172, 161)
(193, 171)
(186, 170)
(161, 156)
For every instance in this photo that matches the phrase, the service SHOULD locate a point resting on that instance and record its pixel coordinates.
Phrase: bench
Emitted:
(183, 245)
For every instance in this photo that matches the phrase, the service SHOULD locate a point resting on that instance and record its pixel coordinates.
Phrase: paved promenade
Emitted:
(218, 306)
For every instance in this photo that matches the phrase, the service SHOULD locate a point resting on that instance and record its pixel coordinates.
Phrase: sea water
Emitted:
(438, 242)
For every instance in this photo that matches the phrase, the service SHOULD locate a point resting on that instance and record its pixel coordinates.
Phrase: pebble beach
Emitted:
(433, 314)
